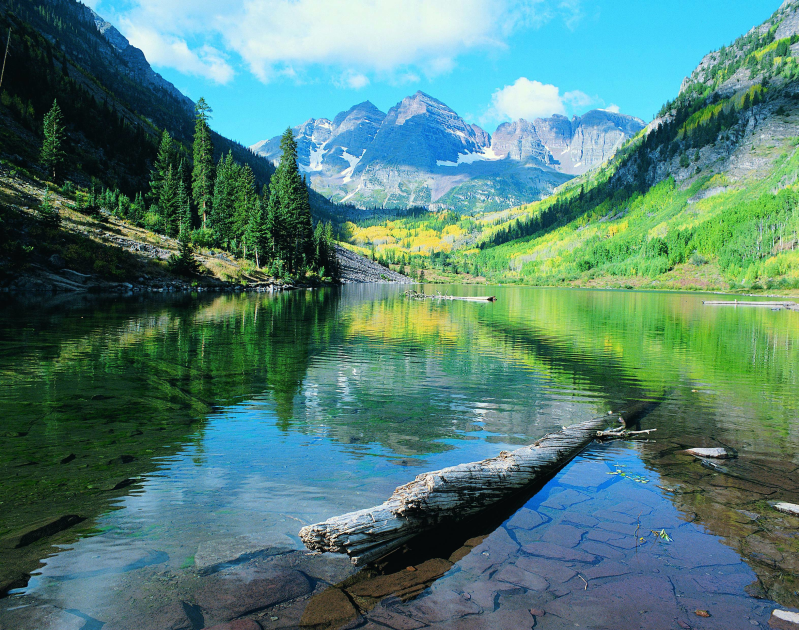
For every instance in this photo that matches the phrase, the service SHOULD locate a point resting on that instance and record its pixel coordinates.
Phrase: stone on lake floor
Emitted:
(787, 508)
(330, 607)
(784, 620)
(556, 552)
(239, 624)
(227, 597)
(403, 582)
(717, 453)
(38, 531)
(525, 519)
(213, 554)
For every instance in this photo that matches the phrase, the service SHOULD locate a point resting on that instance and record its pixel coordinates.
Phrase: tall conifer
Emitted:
(163, 161)
(52, 155)
(202, 176)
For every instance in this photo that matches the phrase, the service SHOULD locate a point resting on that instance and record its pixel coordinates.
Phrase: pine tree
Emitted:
(256, 235)
(221, 217)
(202, 178)
(168, 203)
(245, 204)
(52, 155)
(163, 161)
(183, 211)
(290, 207)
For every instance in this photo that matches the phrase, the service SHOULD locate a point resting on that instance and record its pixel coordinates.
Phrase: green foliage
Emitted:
(184, 263)
(289, 210)
(47, 212)
(52, 155)
(202, 175)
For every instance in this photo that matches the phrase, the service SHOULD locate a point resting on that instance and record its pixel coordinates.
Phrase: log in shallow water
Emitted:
(452, 494)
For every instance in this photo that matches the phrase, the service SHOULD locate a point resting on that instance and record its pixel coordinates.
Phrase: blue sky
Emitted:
(264, 65)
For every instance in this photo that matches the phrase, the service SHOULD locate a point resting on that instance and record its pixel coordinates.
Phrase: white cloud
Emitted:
(577, 99)
(532, 99)
(173, 52)
(382, 38)
(613, 108)
(352, 80)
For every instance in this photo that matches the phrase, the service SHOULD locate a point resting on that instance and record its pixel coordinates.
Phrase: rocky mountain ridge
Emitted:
(421, 152)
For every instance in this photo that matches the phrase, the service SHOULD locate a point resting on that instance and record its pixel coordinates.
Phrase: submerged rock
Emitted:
(214, 554)
(717, 453)
(330, 607)
(39, 531)
(784, 620)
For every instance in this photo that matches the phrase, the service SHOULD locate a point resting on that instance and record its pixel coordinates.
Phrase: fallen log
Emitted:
(451, 494)
(415, 295)
(620, 434)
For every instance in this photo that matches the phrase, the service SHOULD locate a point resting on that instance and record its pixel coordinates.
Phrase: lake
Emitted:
(159, 455)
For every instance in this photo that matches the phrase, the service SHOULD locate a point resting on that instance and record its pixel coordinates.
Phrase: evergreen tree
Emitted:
(163, 161)
(202, 178)
(245, 204)
(184, 211)
(168, 203)
(256, 235)
(290, 206)
(221, 217)
(52, 155)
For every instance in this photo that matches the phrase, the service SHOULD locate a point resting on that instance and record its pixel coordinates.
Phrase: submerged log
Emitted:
(450, 494)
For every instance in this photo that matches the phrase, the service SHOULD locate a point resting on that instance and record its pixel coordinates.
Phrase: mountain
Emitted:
(422, 153)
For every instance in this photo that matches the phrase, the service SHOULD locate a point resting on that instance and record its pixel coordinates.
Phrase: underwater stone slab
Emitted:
(331, 607)
(442, 606)
(563, 535)
(228, 598)
(516, 575)
(556, 552)
(239, 624)
(525, 519)
(562, 500)
(554, 572)
(585, 474)
(213, 554)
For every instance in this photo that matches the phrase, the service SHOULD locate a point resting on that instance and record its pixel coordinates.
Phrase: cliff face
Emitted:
(422, 153)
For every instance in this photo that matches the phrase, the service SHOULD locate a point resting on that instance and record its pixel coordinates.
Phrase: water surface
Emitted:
(186, 428)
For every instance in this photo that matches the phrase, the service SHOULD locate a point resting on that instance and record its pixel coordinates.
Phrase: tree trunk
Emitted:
(452, 493)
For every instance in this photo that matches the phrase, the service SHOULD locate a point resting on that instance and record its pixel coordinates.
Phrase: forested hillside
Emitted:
(127, 143)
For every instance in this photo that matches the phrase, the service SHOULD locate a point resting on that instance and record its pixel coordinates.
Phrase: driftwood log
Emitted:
(450, 494)
(415, 295)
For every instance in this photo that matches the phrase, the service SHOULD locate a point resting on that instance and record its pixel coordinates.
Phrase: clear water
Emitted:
(173, 424)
